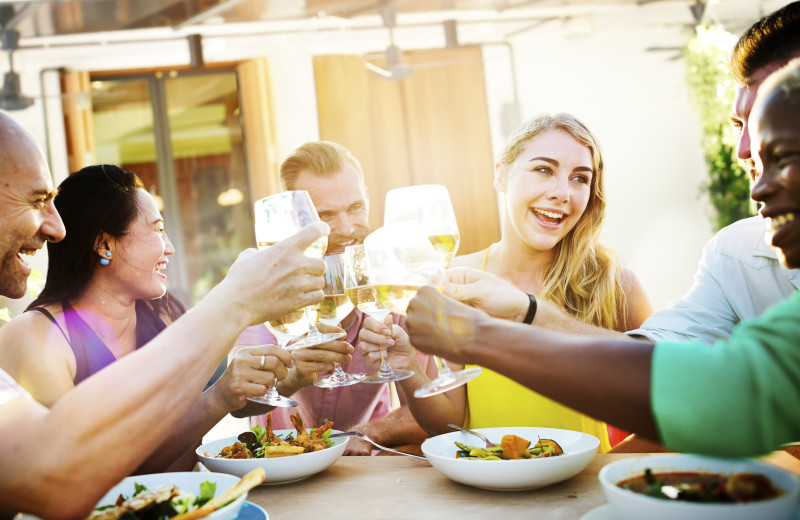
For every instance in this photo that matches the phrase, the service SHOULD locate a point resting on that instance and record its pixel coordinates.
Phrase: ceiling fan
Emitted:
(11, 97)
(395, 68)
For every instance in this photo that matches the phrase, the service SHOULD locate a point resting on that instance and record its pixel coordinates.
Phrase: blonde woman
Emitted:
(551, 175)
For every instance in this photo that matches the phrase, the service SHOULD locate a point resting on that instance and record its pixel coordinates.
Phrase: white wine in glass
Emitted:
(278, 217)
(362, 295)
(430, 206)
(335, 307)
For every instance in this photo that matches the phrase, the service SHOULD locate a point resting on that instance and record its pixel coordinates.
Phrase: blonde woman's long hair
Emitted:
(584, 278)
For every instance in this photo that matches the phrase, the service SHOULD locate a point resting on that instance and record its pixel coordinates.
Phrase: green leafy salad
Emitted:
(158, 503)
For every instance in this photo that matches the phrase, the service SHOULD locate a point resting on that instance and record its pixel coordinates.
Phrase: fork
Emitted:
(487, 443)
(382, 448)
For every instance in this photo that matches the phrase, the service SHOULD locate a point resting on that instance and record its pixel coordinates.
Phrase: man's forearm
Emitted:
(550, 317)
(118, 415)
(606, 378)
(203, 415)
(399, 427)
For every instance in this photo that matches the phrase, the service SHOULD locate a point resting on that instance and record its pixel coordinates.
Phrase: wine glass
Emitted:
(335, 307)
(278, 217)
(430, 206)
(362, 295)
(291, 214)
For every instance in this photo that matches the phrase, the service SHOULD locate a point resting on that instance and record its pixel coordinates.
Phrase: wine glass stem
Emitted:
(313, 331)
(338, 373)
(443, 369)
(272, 392)
(386, 368)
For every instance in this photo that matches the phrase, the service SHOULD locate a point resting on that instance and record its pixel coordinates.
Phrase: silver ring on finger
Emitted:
(263, 361)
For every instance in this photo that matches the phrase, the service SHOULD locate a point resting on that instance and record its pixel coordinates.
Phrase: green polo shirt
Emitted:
(738, 398)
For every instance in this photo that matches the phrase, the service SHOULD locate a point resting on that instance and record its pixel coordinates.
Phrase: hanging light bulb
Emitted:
(230, 197)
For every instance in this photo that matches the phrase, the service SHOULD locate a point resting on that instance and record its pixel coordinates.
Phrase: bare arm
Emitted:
(563, 367)
(35, 353)
(399, 427)
(99, 432)
(242, 379)
(502, 299)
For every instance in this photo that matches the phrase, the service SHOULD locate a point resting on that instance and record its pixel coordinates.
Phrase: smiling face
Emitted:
(776, 146)
(28, 217)
(140, 256)
(547, 188)
(341, 202)
(742, 105)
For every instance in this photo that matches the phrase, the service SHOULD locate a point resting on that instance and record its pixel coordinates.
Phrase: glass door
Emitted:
(181, 132)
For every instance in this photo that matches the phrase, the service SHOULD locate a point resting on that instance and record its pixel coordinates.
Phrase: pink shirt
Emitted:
(346, 406)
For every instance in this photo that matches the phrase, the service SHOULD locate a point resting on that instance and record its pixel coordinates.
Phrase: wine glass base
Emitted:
(388, 377)
(279, 401)
(447, 381)
(334, 381)
(315, 340)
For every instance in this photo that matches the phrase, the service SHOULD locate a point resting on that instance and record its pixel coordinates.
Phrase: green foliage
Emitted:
(711, 89)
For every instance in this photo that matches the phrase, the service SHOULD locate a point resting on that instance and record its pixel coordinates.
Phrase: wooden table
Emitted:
(410, 489)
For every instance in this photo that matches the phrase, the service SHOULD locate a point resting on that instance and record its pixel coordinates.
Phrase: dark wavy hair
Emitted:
(96, 199)
(773, 40)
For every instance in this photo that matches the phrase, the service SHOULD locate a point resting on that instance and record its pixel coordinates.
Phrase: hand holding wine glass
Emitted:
(277, 217)
(335, 307)
(430, 206)
(362, 294)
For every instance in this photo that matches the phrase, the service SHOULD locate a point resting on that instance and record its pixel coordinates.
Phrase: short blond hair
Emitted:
(322, 158)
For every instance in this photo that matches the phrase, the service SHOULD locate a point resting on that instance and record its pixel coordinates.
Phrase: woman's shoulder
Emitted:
(31, 333)
(472, 260)
(35, 321)
(637, 303)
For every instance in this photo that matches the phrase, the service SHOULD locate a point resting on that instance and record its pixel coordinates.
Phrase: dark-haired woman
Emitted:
(104, 297)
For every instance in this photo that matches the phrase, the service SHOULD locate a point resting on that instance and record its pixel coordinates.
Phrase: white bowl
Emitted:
(278, 470)
(188, 482)
(633, 506)
(511, 475)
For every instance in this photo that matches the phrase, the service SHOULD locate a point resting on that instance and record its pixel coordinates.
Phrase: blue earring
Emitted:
(106, 261)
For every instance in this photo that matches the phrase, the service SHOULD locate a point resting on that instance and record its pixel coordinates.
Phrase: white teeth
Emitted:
(550, 214)
(776, 222)
(29, 252)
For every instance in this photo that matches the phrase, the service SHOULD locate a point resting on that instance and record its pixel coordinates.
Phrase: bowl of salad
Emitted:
(284, 455)
(162, 495)
(525, 457)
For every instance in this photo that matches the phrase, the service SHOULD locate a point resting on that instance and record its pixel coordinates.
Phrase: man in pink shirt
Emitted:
(333, 178)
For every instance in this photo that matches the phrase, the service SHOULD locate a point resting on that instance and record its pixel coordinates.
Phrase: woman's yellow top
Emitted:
(495, 400)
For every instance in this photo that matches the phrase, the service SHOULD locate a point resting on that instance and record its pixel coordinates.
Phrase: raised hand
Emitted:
(487, 292)
(267, 285)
